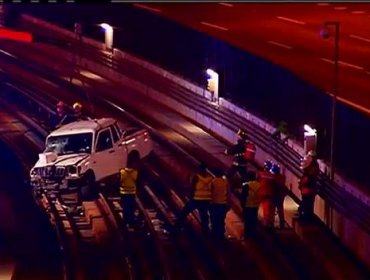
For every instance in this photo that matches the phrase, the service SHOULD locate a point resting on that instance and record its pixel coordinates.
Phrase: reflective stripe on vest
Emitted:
(128, 181)
(253, 199)
(250, 151)
(308, 191)
(264, 175)
(219, 188)
(203, 188)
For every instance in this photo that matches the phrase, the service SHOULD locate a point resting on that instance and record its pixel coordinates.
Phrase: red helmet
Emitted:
(60, 104)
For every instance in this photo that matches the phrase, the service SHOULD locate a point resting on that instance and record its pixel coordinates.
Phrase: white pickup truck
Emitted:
(82, 153)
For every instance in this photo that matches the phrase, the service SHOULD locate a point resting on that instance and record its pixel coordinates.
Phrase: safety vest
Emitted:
(250, 151)
(266, 180)
(203, 188)
(128, 181)
(254, 198)
(219, 188)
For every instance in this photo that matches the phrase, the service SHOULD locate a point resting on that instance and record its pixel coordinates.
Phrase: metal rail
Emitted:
(41, 103)
(59, 226)
(60, 215)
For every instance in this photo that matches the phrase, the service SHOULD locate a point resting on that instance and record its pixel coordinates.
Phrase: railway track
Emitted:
(221, 258)
(78, 238)
(143, 267)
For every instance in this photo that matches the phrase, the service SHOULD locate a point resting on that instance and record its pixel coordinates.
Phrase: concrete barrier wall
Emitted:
(340, 225)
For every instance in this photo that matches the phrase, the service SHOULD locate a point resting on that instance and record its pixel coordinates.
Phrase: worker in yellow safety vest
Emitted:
(219, 203)
(250, 200)
(200, 197)
(128, 185)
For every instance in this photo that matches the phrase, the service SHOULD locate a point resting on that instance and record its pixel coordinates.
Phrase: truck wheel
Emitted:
(89, 189)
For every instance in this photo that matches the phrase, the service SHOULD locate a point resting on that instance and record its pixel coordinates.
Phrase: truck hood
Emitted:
(64, 160)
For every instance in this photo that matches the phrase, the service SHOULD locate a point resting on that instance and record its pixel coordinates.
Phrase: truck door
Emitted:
(121, 149)
(105, 155)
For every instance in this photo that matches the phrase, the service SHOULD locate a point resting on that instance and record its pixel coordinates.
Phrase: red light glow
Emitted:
(15, 35)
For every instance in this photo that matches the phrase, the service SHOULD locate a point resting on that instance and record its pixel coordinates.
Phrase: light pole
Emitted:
(213, 83)
(108, 30)
(326, 34)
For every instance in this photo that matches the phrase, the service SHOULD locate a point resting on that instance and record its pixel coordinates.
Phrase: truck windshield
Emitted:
(70, 144)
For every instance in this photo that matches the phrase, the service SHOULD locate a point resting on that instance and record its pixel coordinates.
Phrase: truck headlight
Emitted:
(72, 170)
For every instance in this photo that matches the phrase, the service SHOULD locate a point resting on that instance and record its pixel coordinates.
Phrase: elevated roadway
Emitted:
(288, 35)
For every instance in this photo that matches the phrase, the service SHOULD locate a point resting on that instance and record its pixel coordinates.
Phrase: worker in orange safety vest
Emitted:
(280, 191)
(266, 192)
(308, 185)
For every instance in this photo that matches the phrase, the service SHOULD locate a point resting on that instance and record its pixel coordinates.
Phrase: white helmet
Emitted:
(306, 161)
(311, 153)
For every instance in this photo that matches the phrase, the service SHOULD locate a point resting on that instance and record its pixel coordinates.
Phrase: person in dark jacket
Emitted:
(239, 164)
(76, 115)
(308, 185)
(61, 113)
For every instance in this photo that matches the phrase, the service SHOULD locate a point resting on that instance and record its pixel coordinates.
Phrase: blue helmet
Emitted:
(275, 169)
(267, 165)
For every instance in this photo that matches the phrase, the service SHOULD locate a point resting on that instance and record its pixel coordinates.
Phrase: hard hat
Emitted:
(275, 169)
(242, 133)
(311, 153)
(77, 105)
(267, 165)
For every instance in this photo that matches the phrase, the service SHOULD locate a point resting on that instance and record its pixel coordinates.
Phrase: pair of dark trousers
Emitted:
(218, 215)
(202, 206)
(279, 204)
(307, 206)
(250, 220)
(241, 169)
(128, 207)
